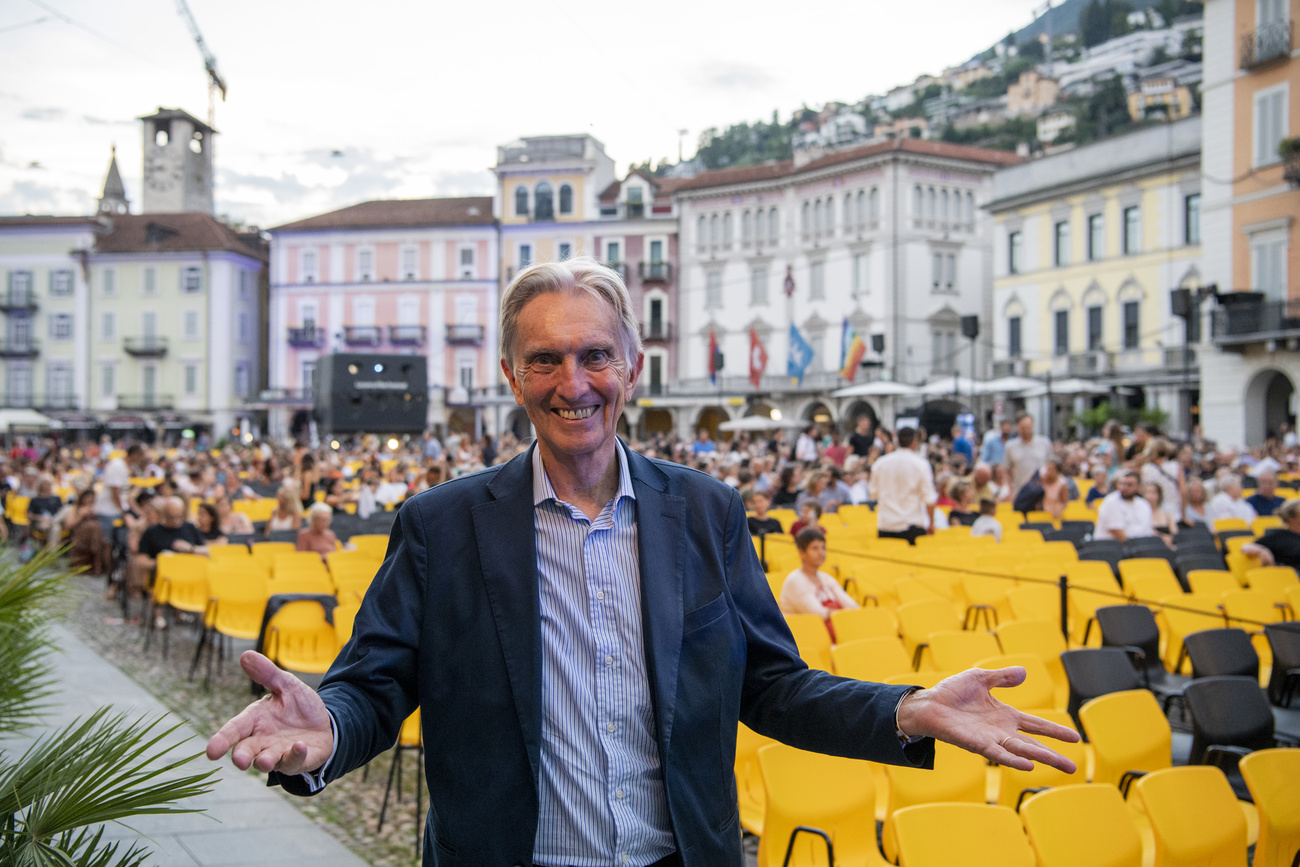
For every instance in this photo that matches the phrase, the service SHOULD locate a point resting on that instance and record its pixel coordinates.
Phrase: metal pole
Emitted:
(1065, 608)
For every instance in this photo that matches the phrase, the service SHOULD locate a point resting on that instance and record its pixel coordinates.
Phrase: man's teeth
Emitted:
(575, 414)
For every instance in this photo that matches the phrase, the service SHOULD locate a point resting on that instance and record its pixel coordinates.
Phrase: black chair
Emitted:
(1043, 527)
(1105, 551)
(1193, 533)
(244, 539)
(1221, 653)
(1134, 626)
(1284, 683)
(1191, 564)
(1231, 718)
(1146, 546)
(1097, 671)
(281, 536)
(1228, 534)
(1075, 532)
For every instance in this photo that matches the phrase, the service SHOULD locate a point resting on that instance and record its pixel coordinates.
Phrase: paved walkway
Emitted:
(245, 823)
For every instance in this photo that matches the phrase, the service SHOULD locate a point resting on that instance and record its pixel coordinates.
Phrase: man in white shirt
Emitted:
(904, 489)
(805, 448)
(1026, 455)
(1229, 504)
(110, 502)
(1124, 515)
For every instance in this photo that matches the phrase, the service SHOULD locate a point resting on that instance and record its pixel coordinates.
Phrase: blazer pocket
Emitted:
(705, 614)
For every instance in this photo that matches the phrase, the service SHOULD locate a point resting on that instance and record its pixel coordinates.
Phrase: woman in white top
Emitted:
(288, 510)
(807, 590)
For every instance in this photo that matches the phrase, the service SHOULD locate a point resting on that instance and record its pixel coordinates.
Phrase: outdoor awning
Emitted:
(126, 422)
(1007, 385)
(759, 422)
(1073, 385)
(25, 418)
(877, 389)
(961, 386)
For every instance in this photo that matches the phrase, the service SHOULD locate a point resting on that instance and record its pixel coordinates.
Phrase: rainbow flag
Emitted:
(851, 351)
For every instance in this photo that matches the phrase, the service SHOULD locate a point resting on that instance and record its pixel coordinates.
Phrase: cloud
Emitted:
(43, 114)
(99, 121)
(732, 76)
(33, 197)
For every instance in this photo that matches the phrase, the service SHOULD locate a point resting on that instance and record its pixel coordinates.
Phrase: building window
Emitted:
(726, 231)
(242, 379)
(1132, 230)
(150, 281)
(245, 330)
(1192, 219)
(657, 325)
(467, 263)
(817, 218)
(1061, 337)
(1096, 238)
(746, 228)
(107, 386)
(408, 263)
(936, 272)
(713, 231)
(466, 373)
(944, 350)
(1014, 242)
(970, 207)
(1013, 336)
(773, 227)
(713, 289)
(848, 213)
(543, 202)
(61, 326)
(1094, 328)
(805, 224)
(191, 380)
(190, 325)
(108, 326)
(109, 281)
(58, 384)
(929, 204)
(525, 255)
(943, 205)
(950, 274)
(656, 373)
(1268, 263)
(566, 199)
(565, 250)
(309, 376)
(1132, 333)
(1061, 249)
(309, 272)
(613, 252)
(191, 280)
(916, 203)
(874, 206)
(861, 282)
(61, 283)
(245, 283)
(365, 265)
(758, 286)
(817, 282)
(701, 234)
(830, 217)
(1270, 124)
(521, 201)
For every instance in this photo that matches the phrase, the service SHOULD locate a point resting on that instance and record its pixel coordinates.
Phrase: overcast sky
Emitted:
(417, 95)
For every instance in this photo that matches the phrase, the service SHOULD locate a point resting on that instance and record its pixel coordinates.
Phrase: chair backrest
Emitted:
(749, 778)
(835, 795)
(345, 615)
(1038, 692)
(266, 552)
(1082, 826)
(923, 679)
(299, 638)
(1273, 776)
(916, 620)
(1220, 652)
(1211, 582)
(1228, 711)
(957, 776)
(1272, 581)
(1013, 782)
(374, 544)
(961, 649)
(1184, 614)
(1284, 641)
(1250, 609)
(1097, 671)
(973, 834)
(1132, 626)
(1034, 602)
(1128, 732)
(871, 659)
(289, 581)
(853, 624)
(1194, 818)
(812, 638)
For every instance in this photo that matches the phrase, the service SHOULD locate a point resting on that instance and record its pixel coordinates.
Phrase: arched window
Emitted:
(916, 202)
(817, 217)
(875, 204)
(862, 209)
(713, 231)
(746, 230)
(943, 205)
(805, 225)
(773, 227)
(929, 204)
(726, 231)
(701, 236)
(543, 202)
(566, 199)
(521, 201)
(848, 212)
(760, 225)
(970, 207)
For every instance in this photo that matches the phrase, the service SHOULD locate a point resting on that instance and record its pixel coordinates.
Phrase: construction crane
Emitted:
(215, 81)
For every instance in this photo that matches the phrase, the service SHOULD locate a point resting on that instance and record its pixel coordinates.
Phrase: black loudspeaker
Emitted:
(719, 361)
(1180, 302)
(372, 393)
(877, 343)
(970, 327)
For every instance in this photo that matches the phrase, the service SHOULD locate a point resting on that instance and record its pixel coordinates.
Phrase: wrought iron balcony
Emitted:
(620, 267)
(306, 337)
(27, 347)
(145, 347)
(362, 335)
(406, 335)
(1268, 43)
(146, 401)
(282, 396)
(465, 334)
(1093, 362)
(18, 301)
(1180, 356)
(655, 272)
(1246, 317)
(656, 330)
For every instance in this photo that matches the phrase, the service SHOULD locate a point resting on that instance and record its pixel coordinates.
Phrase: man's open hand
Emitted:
(287, 730)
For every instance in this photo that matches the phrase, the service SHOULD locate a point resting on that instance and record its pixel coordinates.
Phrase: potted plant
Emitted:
(1289, 150)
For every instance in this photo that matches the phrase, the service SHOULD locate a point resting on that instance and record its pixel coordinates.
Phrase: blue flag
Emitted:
(800, 356)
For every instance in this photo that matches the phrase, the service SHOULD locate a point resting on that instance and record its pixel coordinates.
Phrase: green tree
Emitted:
(1101, 20)
(1104, 113)
(1031, 50)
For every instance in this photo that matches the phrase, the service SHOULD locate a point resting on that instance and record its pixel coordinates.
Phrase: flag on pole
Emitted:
(757, 359)
(713, 357)
(851, 351)
(801, 355)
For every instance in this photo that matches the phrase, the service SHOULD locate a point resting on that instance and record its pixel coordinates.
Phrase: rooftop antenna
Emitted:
(215, 81)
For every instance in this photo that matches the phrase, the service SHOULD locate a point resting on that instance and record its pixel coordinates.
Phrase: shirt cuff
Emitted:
(315, 780)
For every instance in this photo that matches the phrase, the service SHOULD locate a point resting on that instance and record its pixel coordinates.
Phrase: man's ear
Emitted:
(514, 384)
(633, 376)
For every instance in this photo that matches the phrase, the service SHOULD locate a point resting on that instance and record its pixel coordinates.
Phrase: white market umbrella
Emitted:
(759, 423)
(877, 389)
(1007, 385)
(1074, 385)
(958, 385)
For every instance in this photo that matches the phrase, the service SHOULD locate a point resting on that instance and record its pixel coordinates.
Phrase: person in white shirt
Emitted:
(904, 489)
(987, 523)
(805, 448)
(807, 590)
(1229, 504)
(110, 502)
(1124, 515)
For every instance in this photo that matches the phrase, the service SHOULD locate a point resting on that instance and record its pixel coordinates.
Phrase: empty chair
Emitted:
(1092, 585)
(1158, 578)
(872, 659)
(1222, 652)
(1273, 777)
(957, 776)
(972, 834)
(1043, 639)
(916, 620)
(986, 599)
(1038, 692)
(833, 795)
(1184, 614)
(1146, 546)
(1224, 524)
(1082, 826)
(1239, 564)
(1012, 783)
(1097, 671)
(1128, 733)
(1211, 583)
(300, 638)
(1194, 818)
(749, 778)
(1251, 610)
(812, 639)
(1035, 602)
(852, 624)
(266, 552)
(1272, 581)
(1284, 682)
(1135, 626)
(960, 650)
(1228, 713)
(374, 544)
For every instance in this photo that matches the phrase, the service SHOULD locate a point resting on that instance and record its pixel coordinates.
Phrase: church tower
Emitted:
(178, 172)
(113, 200)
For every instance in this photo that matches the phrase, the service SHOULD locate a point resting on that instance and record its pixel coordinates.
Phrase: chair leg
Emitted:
(419, 791)
(198, 653)
(393, 769)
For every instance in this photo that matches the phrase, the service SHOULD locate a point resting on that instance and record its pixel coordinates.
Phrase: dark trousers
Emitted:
(909, 534)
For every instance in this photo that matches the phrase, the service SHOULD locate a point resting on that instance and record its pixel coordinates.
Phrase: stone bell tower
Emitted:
(178, 167)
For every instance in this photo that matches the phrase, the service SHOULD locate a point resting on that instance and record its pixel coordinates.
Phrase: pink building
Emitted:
(408, 277)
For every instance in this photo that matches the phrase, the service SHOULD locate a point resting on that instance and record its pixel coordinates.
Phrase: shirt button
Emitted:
(619, 794)
(609, 728)
(624, 859)
(609, 660)
(600, 594)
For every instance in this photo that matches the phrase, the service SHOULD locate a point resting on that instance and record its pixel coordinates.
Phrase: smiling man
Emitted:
(582, 628)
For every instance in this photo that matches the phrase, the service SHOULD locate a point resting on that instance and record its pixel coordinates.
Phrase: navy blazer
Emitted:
(451, 624)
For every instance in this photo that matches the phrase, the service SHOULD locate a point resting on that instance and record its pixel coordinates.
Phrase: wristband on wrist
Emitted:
(903, 737)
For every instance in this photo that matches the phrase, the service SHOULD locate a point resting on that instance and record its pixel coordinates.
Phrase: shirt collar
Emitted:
(543, 490)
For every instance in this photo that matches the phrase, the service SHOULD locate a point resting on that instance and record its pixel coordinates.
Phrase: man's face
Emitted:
(573, 378)
(1128, 487)
(864, 424)
(1026, 428)
(815, 554)
(1267, 485)
(1006, 430)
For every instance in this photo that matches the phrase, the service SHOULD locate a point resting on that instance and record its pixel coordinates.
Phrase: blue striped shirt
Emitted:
(601, 791)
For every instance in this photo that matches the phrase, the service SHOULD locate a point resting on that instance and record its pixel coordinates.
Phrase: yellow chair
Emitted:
(1038, 692)
(1092, 586)
(960, 650)
(749, 779)
(834, 795)
(975, 835)
(1013, 783)
(1221, 524)
(1264, 523)
(914, 589)
(300, 581)
(236, 602)
(1041, 517)
(1082, 826)
(299, 638)
(871, 659)
(987, 594)
(1184, 614)
(1034, 602)
(854, 624)
(1149, 571)
(285, 561)
(16, 509)
(923, 679)
(1212, 583)
(237, 553)
(1128, 732)
(374, 544)
(1273, 581)
(812, 638)
(266, 552)
(1273, 776)
(345, 616)
(958, 776)
(916, 620)
(1194, 817)
(180, 584)
(1042, 638)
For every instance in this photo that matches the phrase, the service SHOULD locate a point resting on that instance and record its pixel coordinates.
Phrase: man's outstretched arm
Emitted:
(287, 730)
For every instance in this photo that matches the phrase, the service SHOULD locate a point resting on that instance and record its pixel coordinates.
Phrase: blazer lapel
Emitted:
(507, 548)
(661, 541)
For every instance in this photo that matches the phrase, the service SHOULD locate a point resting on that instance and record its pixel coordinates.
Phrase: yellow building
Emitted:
(1160, 96)
(1088, 244)
(1251, 104)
